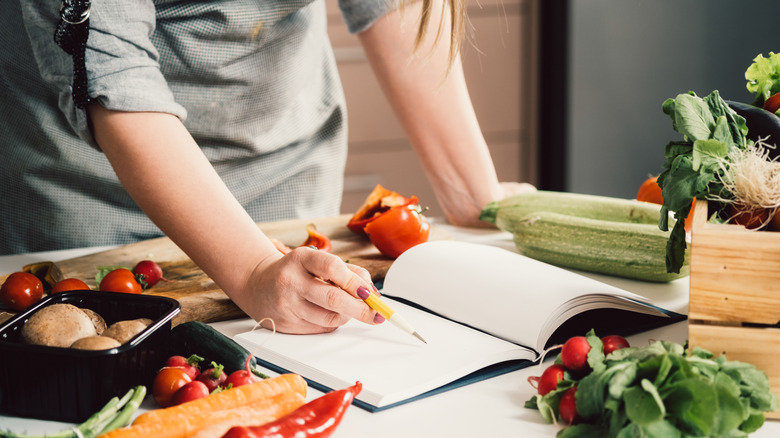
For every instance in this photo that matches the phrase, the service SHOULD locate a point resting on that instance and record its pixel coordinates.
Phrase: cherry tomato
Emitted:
(21, 290)
(120, 280)
(69, 284)
(613, 342)
(397, 230)
(773, 103)
(167, 381)
(189, 365)
(189, 392)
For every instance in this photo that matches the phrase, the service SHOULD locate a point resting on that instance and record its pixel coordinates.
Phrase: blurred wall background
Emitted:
(625, 57)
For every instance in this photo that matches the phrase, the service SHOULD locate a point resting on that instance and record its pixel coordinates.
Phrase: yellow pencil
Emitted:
(387, 312)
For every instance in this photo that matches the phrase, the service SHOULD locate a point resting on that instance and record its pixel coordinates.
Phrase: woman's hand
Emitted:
(306, 291)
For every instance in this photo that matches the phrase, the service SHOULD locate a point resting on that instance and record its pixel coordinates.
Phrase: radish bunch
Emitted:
(577, 357)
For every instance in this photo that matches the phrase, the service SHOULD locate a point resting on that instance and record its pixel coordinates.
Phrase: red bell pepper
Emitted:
(378, 202)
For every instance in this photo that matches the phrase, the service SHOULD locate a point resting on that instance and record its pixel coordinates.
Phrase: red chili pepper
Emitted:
(317, 418)
(317, 239)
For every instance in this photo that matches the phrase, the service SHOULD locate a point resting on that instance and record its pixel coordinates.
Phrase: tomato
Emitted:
(167, 381)
(397, 230)
(21, 290)
(567, 407)
(613, 342)
(650, 191)
(773, 103)
(69, 284)
(189, 365)
(120, 280)
(378, 201)
(189, 392)
(750, 219)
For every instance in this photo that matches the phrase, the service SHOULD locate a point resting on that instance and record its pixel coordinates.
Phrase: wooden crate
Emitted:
(735, 294)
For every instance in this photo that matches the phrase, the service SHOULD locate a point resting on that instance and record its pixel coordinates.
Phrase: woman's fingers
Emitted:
(311, 291)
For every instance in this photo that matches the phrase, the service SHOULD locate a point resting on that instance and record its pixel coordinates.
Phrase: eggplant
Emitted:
(761, 125)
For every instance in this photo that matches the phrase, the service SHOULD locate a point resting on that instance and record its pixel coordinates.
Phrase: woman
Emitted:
(206, 117)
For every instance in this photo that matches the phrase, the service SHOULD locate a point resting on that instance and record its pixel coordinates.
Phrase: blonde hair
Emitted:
(457, 15)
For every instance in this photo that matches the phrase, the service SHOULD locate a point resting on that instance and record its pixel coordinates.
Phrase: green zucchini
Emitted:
(636, 251)
(612, 236)
(573, 204)
(195, 337)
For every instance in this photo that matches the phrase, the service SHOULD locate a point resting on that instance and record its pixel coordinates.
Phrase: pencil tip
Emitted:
(419, 337)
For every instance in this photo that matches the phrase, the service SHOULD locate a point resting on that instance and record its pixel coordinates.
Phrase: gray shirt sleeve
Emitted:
(122, 64)
(359, 15)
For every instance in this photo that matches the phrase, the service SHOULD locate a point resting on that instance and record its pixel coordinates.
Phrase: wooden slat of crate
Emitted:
(757, 346)
(735, 273)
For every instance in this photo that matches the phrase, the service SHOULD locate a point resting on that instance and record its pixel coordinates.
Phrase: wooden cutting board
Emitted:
(200, 298)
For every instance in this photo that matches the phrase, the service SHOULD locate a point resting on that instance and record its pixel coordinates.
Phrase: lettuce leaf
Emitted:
(764, 77)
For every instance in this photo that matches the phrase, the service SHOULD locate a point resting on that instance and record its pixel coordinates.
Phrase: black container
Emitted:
(69, 385)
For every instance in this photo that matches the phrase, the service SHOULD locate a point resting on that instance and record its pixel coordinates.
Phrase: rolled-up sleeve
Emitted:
(359, 15)
(123, 72)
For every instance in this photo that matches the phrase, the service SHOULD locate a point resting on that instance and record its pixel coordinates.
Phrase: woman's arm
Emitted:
(167, 174)
(436, 112)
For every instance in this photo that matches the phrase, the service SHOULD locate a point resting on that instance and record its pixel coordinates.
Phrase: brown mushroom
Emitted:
(57, 325)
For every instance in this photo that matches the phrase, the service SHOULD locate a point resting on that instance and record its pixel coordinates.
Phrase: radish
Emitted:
(567, 407)
(574, 354)
(550, 378)
(240, 377)
(213, 377)
(148, 273)
(190, 365)
(613, 342)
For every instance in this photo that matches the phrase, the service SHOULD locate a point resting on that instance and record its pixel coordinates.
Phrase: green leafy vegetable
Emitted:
(661, 390)
(693, 166)
(764, 77)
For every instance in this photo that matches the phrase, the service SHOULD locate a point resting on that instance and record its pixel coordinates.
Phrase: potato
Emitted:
(97, 320)
(123, 331)
(96, 343)
(57, 325)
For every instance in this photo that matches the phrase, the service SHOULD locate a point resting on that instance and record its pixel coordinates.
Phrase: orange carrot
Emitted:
(218, 428)
(228, 399)
(187, 425)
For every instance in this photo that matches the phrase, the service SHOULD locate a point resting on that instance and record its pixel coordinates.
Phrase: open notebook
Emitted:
(483, 310)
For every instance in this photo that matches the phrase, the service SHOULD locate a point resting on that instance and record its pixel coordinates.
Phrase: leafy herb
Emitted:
(661, 390)
(710, 129)
(764, 77)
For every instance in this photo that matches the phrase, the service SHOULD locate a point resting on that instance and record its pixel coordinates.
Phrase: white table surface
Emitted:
(491, 408)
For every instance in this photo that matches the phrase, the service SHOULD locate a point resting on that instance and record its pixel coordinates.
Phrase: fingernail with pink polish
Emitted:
(363, 293)
(378, 319)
